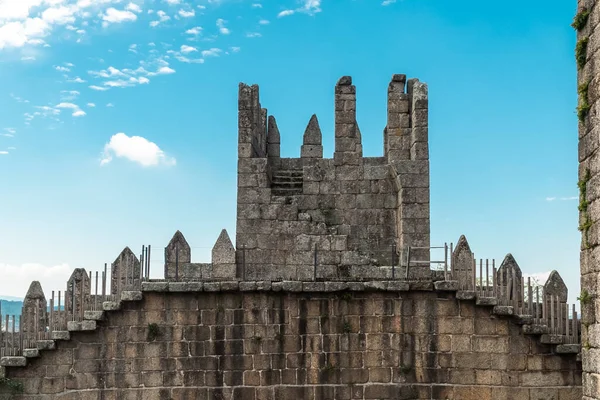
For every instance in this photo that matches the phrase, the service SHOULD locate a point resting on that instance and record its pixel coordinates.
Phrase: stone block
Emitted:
(230, 286)
(46, 344)
(111, 305)
(93, 315)
(31, 353)
(60, 335)
(13, 361)
(291, 286)
(313, 286)
(503, 310)
(155, 286)
(487, 301)
(212, 286)
(534, 329)
(311, 151)
(568, 348)
(248, 286)
(446, 286)
(131, 295)
(397, 286)
(80, 326)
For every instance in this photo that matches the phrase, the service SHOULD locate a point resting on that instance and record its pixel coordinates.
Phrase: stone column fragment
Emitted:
(397, 131)
(34, 314)
(177, 252)
(509, 269)
(78, 292)
(462, 264)
(348, 147)
(223, 258)
(273, 139)
(125, 272)
(312, 146)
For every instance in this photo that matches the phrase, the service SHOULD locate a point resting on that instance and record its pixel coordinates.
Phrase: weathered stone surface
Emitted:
(60, 335)
(155, 286)
(111, 305)
(568, 348)
(46, 344)
(447, 286)
(534, 329)
(223, 258)
(94, 315)
(463, 264)
(131, 295)
(486, 301)
(74, 326)
(465, 295)
(31, 353)
(125, 272)
(13, 361)
(551, 339)
(555, 286)
(312, 134)
(503, 310)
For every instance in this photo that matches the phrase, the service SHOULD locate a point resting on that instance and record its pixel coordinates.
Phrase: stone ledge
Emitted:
(60, 335)
(81, 326)
(13, 361)
(503, 310)
(131, 295)
(93, 315)
(31, 353)
(111, 305)
(230, 286)
(534, 329)
(46, 344)
(446, 286)
(551, 339)
(523, 319)
(465, 295)
(155, 286)
(177, 287)
(486, 301)
(568, 348)
(2, 372)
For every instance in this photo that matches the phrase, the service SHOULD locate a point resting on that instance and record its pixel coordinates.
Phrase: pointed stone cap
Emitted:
(125, 255)
(555, 286)
(273, 131)
(462, 245)
(508, 264)
(312, 134)
(344, 81)
(179, 243)
(35, 292)
(223, 251)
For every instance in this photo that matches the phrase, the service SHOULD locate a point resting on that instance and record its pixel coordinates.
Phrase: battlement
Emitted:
(353, 210)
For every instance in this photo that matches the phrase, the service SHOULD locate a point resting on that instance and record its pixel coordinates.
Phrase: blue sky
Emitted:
(82, 78)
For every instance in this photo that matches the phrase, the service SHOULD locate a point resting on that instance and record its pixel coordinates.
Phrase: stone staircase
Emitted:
(287, 182)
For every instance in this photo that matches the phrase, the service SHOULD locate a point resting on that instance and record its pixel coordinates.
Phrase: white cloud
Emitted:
(253, 35)
(165, 70)
(537, 278)
(62, 69)
(136, 149)
(186, 14)
(3, 152)
(133, 7)
(91, 105)
(67, 105)
(59, 15)
(99, 88)
(78, 113)
(114, 16)
(221, 25)
(309, 7)
(28, 58)
(264, 22)
(20, 33)
(76, 80)
(185, 49)
(235, 49)
(17, 278)
(162, 18)
(11, 148)
(214, 52)
(387, 2)
(257, 5)
(562, 198)
(285, 13)
(110, 105)
(194, 31)
(173, 2)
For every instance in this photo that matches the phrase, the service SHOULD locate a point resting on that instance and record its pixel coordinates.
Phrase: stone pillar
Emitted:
(78, 292)
(273, 140)
(587, 25)
(125, 272)
(223, 258)
(34, 314)
(177, 252)
(312, 146)
(407, 153)
(252, 125)
(348, 147)
(507, 270)
(462, 264)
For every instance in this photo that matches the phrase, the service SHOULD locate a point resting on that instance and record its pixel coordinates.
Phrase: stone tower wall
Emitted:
(586, 23)
(348, 215)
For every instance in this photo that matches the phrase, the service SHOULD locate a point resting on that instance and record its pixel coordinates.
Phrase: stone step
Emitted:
(568, 348)
(503, 310)
(284, 185)
(81, 326)
(31, 353)
(523, 319)
(535, 329)
(288, 172)
(486, 301)
(46, 344)
(277, 178)
(285, 192)
(60, 335)
(13, 361)
(93, 315)
(551, 339)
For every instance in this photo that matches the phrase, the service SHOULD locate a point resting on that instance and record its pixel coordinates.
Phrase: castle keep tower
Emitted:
(351, 216)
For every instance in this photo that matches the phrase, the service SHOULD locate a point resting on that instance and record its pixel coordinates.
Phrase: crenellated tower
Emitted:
(352, 216)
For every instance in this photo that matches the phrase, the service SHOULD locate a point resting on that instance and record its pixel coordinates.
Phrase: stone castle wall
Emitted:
(354, 212)
(588, 80)
(304, 345)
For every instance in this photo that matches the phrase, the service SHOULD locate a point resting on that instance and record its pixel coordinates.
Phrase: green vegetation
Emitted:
(584, 107)
(580, 20)
(13, 386)
(347, 327)
(585, 297)
(153, 332)
(581, 52)
(585, 226)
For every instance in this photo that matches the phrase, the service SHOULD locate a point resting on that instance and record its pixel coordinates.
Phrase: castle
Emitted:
(328, 293)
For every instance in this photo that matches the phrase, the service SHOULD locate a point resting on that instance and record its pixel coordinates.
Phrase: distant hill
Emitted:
(11, 307)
